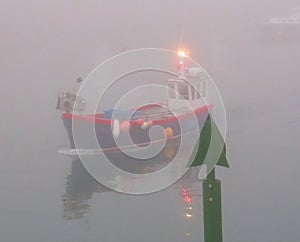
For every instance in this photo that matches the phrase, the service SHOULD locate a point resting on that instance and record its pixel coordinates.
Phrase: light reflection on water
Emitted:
(183, 202)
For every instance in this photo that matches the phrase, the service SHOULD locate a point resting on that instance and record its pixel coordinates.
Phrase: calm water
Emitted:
(48, 197)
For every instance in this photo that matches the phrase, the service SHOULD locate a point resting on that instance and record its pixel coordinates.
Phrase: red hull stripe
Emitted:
(94, 119)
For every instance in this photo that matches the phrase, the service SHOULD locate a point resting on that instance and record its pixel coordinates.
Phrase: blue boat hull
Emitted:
(139, 136)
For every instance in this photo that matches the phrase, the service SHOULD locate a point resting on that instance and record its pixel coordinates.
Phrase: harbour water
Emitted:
(46, 196)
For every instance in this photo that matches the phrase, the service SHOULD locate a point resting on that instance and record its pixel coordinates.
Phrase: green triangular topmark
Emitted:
(203, 145)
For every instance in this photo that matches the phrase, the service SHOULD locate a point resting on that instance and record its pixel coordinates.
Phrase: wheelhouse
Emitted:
(186, 92)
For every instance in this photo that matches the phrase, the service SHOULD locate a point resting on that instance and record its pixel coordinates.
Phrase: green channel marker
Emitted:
(212, 201)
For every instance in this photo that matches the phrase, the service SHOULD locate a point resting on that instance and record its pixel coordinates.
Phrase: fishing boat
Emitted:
(287, 27)
(182, 104)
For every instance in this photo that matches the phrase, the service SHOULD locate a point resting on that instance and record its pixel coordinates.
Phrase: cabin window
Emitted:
(193, 93)
(171, 90)
(183, 91)
(196, 91)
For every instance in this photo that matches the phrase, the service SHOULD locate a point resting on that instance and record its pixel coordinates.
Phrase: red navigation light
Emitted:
(180, 65)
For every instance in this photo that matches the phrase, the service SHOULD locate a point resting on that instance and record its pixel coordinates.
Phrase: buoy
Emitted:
(124, 126)
(169, 132)
(116, 128)
(139, 121)
(149, 123)
(144, 125)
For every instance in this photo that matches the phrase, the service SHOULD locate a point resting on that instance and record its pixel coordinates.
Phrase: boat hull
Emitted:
(140, 136)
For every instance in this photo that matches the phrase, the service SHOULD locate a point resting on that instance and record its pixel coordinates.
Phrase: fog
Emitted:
(46, 45)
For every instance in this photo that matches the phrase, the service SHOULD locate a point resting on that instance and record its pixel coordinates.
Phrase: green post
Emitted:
(212, 209)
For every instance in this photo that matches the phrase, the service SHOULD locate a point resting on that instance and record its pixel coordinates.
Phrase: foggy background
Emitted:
(46, 45)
